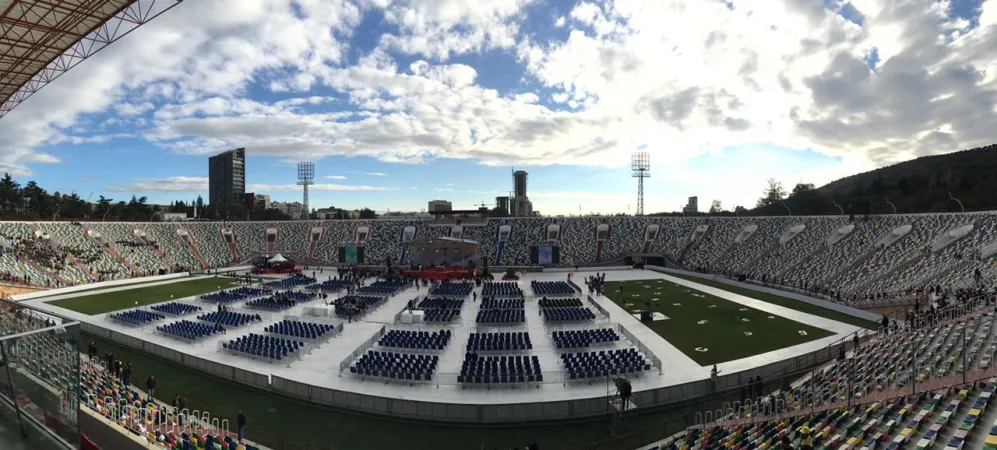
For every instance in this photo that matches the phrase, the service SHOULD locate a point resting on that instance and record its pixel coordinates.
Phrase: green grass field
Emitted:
(709, 329)
(785, 302)
(118, 300)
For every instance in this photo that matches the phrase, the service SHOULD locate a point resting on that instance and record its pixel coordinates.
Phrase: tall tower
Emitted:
(519, 183)
(640, 164)
(520, 205)
(306, 177)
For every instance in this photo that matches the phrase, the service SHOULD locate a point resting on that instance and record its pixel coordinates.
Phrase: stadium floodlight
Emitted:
(640, 163)
(306, 177)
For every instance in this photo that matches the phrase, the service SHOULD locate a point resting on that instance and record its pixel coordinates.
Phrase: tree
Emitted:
(366, 213)
(716, 207)
(773, 194)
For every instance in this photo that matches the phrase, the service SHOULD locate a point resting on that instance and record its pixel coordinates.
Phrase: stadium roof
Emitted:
(42, 39)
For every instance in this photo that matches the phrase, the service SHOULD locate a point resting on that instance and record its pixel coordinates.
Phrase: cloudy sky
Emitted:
(402, 101)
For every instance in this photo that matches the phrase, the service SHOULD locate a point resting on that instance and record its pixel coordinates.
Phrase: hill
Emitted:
(916, 186)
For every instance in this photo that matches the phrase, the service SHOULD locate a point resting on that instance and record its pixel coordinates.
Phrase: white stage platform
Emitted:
(321, 366)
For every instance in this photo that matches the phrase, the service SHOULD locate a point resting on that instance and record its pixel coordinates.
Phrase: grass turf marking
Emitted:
(702, 321)
(148, 295)
(785, 302)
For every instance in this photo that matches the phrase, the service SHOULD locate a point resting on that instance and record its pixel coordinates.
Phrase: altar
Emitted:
(412, 317)
(320, 311)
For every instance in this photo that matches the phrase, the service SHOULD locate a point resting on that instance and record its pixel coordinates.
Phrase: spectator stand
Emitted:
(361, 350)
(501, 289)
(313, 330)
(265, 347)
(176, 308)
(135, 317)
(452, 289)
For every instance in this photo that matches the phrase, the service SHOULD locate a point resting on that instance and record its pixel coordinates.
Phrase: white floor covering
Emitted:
(321, 366)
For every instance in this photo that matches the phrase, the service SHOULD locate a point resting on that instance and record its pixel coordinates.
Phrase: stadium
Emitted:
(749, 329)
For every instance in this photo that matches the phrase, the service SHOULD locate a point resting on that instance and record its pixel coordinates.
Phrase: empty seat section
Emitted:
(398, 366)
(504, 369)
(583, 338)
(423, 340)
(493, 342)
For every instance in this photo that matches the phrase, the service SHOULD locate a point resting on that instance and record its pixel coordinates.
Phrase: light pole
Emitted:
(961, 208)
(784, 205)
(153, 218)
(887, 200)
(840, 209)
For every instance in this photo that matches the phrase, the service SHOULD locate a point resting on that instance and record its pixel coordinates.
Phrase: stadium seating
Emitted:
(232, 295)
(501, 289)
(272, 303)
(441, 315)
(567, 314)
(571, 339)
(229, 318)
(267, 347)
(399, 366)
(560, 303)
(301, 330)
(290, 282)
(210, 244)
(501, 316)
(329, 286)
(176, 309)
(603, 363)
(452, 289)
(441, 303)
(121, 238)
(173, 246)
(478, 369)
(185, 329)
(419, 340)
(136, 317)
(552, 288)
(499, 342)
(383, 288)
(503, 303)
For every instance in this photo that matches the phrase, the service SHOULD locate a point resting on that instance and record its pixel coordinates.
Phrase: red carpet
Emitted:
(440, 273)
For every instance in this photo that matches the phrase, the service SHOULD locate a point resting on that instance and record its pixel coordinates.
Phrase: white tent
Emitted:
(277, 258)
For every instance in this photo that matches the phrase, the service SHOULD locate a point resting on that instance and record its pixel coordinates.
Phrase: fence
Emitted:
(362, 349)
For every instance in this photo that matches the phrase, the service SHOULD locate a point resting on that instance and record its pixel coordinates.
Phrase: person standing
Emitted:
(150, 385)
(241, 424)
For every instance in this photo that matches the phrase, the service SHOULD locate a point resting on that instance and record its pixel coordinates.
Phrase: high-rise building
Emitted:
(227, 177)
(502, 203)
(692, 207)
(440, 206)
(519, 183)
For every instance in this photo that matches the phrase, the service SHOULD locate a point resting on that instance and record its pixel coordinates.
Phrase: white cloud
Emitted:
(200, 184)
(335, 177)
(679, 77)
(376, 174)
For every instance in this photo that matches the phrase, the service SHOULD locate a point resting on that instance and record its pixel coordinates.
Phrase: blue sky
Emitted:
(407, 101)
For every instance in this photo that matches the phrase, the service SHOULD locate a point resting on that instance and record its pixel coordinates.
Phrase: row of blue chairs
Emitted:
(501, 316)
(490, 342)
(188, 330)
(552, 288)
(303, 330)
(232, 295)
(329, 286)
(501, 289)
(584, 338)
(137, 317)
(271, 304)
(294, 296)
(498, 369)
(229, 318)
(384, 287)
(270, 347)
(567, 314)
(290, 282)
(603, 363)
(559, 302)
(441, 303)
(453, 289)
(441, 315)
(176, 309)
(503, 303)
(399, 366)
(416, 339)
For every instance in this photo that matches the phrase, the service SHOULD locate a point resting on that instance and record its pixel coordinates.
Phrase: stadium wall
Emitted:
(791, 295)
(106, 434)
(473, 414)
(121, 282)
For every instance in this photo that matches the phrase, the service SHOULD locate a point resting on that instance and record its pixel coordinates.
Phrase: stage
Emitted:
(440, 273)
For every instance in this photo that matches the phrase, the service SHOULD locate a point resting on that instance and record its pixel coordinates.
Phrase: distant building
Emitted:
(440, 206)
(692, 207)
(227, 178)
(256, 201)
(520, 204)
(502, 203)
(174, 217)
(296, 209)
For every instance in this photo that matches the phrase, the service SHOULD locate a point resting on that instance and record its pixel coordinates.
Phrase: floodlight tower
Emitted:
(306, 177)
(640, 163)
